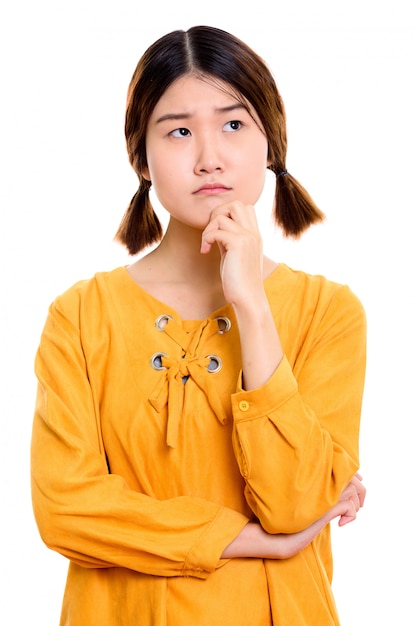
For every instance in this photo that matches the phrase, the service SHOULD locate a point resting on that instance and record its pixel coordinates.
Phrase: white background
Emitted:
(348, 73)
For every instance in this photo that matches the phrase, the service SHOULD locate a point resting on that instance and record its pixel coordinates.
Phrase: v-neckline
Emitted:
(173, 311)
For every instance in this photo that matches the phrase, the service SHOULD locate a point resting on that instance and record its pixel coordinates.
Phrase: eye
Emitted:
(180, 132)
(232, 126)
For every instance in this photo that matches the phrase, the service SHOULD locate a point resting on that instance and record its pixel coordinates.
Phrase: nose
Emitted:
(208, 156)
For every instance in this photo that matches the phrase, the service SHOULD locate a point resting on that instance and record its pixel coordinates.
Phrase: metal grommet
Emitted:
(215, 363)
(157, 360)
(224, 324)
(161, 321)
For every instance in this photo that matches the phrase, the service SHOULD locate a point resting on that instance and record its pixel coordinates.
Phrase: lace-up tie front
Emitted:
(194, 364)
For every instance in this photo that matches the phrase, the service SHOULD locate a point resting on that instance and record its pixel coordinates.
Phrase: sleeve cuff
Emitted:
(254, 403)
(205, 555)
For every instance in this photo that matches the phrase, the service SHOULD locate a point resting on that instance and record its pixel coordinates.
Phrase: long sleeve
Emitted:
(83, 511)
(147, 461)
(296, 438)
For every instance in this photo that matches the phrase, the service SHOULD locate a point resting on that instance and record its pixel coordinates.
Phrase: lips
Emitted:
(211, 189)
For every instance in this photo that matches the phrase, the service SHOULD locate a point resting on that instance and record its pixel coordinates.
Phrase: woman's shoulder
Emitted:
(97, 287)
(310, 290)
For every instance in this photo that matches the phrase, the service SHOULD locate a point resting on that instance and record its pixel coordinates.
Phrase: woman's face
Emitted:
(203, 149)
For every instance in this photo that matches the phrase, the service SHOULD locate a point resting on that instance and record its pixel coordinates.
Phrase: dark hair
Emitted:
(212, 53)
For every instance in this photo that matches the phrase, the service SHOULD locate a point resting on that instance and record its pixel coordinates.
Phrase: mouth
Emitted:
(211, 189)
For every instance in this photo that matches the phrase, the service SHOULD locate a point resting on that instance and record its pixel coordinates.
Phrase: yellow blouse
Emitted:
(148, 457)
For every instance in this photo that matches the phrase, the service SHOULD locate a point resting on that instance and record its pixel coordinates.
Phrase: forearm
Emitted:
(254, 542)
(261, 349)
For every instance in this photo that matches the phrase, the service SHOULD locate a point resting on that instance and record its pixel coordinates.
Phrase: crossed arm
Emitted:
(233, 227)
(253, 541)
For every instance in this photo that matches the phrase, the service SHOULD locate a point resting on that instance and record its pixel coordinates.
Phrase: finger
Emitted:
(208, 237)
(222, 222)
(360, 488)
(349, 514)
(236, 211)
(356, 502)
(225, 231)
(351, 494)
(355, 488)
(362, 495)
(214, 232)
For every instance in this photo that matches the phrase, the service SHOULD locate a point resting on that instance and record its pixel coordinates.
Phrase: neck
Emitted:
(180, 252)
(176, 273)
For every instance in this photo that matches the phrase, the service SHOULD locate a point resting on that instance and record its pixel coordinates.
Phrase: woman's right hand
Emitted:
(254, 542)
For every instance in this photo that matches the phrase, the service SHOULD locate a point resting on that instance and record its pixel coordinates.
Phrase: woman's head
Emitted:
(211, 54)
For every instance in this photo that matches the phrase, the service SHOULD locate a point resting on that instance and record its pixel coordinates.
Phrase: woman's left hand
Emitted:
(355, 492)
(233, 227)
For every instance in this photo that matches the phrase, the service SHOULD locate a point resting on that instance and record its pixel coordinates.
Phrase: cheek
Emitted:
(257, 159)
(166, 181)
(167, 167)
(257, 151)
(255, 171)
(156, 170)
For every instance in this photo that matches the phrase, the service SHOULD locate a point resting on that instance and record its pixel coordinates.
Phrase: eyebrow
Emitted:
(186, 116)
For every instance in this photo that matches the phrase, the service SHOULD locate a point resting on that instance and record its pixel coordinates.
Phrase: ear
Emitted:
(145, 173)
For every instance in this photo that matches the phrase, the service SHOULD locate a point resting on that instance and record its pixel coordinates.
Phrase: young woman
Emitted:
(197, 420)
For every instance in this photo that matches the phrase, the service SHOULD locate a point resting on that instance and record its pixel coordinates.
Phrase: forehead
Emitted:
(190, 90)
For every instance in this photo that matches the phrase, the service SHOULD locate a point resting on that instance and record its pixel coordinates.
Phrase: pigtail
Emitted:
(140, 226)
(294, 208)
